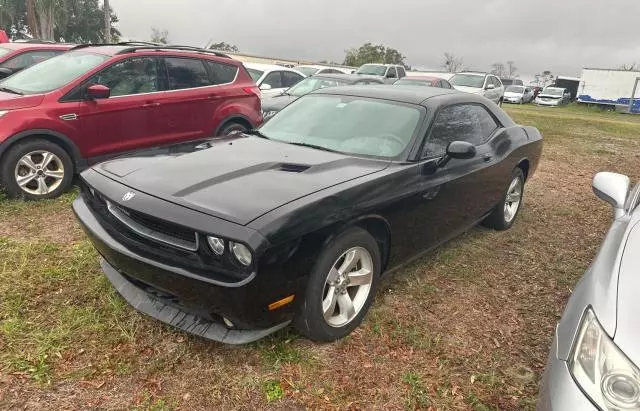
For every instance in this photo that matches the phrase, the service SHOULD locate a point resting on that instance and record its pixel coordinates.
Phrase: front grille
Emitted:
(154, 229)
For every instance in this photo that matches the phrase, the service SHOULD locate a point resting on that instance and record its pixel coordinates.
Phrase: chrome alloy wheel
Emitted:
(513, 199)
(347, 286)
(39, 172)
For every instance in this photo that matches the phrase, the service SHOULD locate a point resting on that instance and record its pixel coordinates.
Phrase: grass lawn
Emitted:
(466, 327)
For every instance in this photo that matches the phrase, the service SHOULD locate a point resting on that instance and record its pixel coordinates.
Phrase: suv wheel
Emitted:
(36, 170)
(231, 128)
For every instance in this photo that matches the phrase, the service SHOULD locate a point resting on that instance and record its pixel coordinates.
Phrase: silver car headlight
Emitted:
(603, 372)
(242, 253)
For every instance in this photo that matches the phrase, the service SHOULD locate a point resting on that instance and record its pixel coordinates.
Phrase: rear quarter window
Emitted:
(221, 73)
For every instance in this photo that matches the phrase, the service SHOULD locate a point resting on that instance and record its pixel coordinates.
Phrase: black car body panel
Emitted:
(286, 203)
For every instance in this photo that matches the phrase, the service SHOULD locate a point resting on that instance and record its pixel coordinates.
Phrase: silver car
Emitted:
(594, 358)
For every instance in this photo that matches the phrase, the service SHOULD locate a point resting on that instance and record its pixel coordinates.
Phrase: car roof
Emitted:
(132, 48)
(411, 95)
(553, 88)
(346, 77)
(36, 46)
(474, 73)
(422, 78)
(268, 67)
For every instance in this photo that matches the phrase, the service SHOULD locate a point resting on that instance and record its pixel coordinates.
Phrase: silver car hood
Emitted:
(627, 336)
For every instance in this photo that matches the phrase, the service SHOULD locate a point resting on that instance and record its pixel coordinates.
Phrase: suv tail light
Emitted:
(255, 90)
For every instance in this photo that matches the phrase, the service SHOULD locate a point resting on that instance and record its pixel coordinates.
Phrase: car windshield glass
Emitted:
(352, 125)
(373, 69)
(467, 80)
(307, 71)
(310, 84)
(255, 74)
(413, 82)
(552, 91)
(53, 73)
(515, 89)
(4, 52)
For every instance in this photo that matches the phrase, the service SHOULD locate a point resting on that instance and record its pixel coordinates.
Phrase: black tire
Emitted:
(232, 127)
(310, 320)
(10, 160)
(497, 219)
(521, 101)
(500, 102)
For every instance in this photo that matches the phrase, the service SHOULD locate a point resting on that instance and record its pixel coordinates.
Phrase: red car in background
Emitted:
(18, 56)
(428, 81)
(95, 102)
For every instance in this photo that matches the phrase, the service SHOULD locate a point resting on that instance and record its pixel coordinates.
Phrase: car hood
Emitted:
(237, 178)
(474, 90)
(277, 103)
(627, 336)
(10, 101)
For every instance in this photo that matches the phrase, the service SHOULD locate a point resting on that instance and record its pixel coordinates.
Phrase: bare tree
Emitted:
(629, 67)
(544, 79)
(452, 63)
(511, 69)
(498, 69)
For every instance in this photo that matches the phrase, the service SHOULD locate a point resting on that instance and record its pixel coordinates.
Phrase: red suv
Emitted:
(94, 102)
(15, 57)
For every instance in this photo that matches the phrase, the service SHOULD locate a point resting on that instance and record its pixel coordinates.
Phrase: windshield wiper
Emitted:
(8, 90)
(254, 132)
(316, 147)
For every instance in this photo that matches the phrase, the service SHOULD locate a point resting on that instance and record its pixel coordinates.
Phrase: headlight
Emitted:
(266, 114)
(605, 374)
(3, 112)
(242, 253)
(216, 244)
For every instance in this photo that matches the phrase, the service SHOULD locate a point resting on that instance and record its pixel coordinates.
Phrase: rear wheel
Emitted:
(341, 287)
(232, 127)
(35, 170)
(504, 214)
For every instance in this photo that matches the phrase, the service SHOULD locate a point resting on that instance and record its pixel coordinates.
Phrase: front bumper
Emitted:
(558, 390)
(547, 103)
(182, 299)
(512, 99)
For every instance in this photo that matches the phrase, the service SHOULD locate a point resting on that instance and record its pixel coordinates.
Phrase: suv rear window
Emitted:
(186, 73)
(221, 73)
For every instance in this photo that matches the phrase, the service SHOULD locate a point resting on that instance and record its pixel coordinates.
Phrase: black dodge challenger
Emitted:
(234, 238)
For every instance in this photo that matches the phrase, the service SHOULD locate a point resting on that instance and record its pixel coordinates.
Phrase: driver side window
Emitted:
(460, 122)
(274, 79)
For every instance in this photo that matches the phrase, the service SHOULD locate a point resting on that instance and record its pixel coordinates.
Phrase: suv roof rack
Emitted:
(167, 47)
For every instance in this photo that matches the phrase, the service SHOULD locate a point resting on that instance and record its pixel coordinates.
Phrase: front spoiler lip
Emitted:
(180, 319)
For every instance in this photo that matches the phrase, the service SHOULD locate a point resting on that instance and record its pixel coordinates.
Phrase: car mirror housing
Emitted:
(490, 87)
(460, 150)
(265, 86)
(98, 91)
(612, 188)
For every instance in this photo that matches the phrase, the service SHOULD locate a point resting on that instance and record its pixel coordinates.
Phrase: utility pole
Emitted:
(107, 22)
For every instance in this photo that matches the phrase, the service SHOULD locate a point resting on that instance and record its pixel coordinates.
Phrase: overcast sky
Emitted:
(561, 35)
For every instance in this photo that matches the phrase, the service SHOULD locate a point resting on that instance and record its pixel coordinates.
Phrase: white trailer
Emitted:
(617, 89)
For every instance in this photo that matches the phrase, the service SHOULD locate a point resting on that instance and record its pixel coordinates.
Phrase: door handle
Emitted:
(151, 104)
(487, 157)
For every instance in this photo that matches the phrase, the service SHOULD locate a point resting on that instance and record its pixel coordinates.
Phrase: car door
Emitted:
(128, 119)
(392, 74)
(275, 82)
(186, 105)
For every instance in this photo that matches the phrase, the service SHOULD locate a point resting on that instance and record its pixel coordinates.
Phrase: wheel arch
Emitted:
(524, 164)
(53, 136)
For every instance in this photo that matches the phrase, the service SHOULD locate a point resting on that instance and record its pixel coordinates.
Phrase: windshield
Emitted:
(373, 69)
(553, 91)
(515, 89)
(4, 52)
(412, 82)
(307, 71)
(310, 84)
(467, 80)
(255, 74)
(53, 73)
(352, 125)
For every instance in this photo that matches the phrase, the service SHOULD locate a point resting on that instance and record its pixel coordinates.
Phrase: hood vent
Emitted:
(292, 168)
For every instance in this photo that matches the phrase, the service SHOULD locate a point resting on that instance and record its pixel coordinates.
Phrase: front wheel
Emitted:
(341, 287)
(231, 128)
(504, 214)
(36, 170)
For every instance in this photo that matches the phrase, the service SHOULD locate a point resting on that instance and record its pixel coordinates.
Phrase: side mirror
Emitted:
(5, 72)
(460, 150)
(265, 86)
(98, 91)
(612, 188)
(490, 87)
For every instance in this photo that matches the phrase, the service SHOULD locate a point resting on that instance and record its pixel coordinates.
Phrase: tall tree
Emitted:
(452, 63)
(160, 36)
(498, 69)
(224, 46)
(370, 53)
